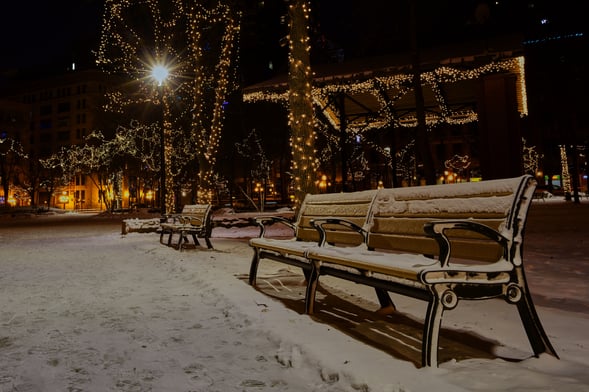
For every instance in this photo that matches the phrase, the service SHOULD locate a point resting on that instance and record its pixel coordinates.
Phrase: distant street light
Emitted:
(160, 73)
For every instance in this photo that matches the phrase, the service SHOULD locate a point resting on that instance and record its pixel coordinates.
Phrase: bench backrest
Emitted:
(352, 206)
(197, 215)
(398, 215)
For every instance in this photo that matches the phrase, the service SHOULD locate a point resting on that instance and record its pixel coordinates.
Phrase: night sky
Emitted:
(47, 33)
(55, 33)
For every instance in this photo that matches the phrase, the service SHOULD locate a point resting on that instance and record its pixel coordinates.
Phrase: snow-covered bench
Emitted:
(140, 225)
(440, 244)
(195, 220)
(353, 206)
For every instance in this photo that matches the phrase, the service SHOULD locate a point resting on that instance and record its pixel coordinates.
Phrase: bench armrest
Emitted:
(319, 222)
(172, 218)
(437, 231)
(263, 221)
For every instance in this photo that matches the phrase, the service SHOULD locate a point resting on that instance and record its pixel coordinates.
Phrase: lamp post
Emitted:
(159, 73)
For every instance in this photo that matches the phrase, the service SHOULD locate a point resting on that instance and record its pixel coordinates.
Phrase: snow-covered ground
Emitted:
(85, 308)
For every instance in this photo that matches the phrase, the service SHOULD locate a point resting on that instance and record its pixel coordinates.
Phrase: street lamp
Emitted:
(160, 73)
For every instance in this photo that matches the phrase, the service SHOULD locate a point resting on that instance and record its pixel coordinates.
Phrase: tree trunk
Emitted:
(301, 119)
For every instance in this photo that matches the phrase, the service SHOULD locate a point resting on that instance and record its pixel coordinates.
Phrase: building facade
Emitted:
(44, 116)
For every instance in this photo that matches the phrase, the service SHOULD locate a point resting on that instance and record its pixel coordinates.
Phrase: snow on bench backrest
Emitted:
(352, 206)
(202, 213)
(398, 215)
(196, 209)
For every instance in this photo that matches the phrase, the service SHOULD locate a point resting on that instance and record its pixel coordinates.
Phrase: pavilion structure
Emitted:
(474, 101)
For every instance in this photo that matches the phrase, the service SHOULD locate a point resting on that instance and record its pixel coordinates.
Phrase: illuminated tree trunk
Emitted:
(301, 104)
(168, 150)
(207, 121)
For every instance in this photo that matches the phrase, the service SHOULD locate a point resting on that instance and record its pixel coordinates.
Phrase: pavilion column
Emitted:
(341, 103)
(500, 145)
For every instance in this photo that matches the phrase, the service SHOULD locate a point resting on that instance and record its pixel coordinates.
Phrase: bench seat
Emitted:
(413, 267)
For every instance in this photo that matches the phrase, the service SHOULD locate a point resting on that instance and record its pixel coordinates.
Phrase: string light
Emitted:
(301, 119)
(566, 178)
(531, 158)
(398, 86)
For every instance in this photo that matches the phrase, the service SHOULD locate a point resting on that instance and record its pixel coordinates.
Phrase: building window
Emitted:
(80, 180)
(80, 133)
(63, 136)
(45, 124)
(63, 122)
(80, 198)
(45, 138)
(45, 110)
(63, 107)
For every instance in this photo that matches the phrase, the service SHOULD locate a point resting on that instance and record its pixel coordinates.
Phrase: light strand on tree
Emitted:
(400, 85)
(198, 45)
(531, 158)
(301, 118)
(566, 178)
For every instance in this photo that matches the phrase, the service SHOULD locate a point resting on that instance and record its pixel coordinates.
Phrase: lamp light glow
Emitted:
(160, 73)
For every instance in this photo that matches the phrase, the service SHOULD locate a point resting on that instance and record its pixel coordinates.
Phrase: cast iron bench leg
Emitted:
(534, 330)
(254, 267)
(431, 331)
(312, 283)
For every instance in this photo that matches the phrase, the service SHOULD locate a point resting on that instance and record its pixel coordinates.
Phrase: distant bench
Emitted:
(195, 221)
(540, 194)
(438, 243)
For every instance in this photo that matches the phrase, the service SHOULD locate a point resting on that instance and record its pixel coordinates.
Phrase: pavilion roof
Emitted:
(378, 91)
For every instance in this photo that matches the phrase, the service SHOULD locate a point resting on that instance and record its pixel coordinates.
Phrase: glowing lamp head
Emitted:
(160, 73)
